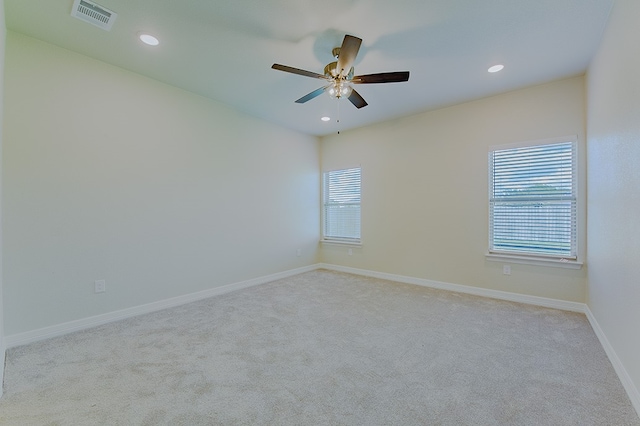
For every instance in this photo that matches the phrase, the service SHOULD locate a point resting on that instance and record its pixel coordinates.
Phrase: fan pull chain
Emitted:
(338, 116)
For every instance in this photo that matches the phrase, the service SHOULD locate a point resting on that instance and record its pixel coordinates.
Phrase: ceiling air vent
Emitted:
(93, 14)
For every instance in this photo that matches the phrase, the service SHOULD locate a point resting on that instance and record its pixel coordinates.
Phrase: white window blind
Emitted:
(341, 200)
(532, 199)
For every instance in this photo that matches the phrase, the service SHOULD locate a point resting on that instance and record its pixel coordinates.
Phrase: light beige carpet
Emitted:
(323, 348)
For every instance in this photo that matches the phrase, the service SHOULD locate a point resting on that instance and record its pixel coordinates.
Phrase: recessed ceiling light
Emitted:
(325, 118)
(496, 68)
(149, 39)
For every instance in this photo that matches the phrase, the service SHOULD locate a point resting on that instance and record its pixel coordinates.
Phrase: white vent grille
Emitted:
(93, 14)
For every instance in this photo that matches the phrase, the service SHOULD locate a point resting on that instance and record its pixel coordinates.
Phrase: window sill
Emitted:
(353, 243)
(532, 260)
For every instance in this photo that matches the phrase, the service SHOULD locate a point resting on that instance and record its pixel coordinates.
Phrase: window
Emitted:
(532, 199)
(341, 201)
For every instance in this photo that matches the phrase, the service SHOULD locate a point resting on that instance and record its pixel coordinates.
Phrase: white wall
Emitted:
(111, 175)
(2, 44)
(614, 186)
(424, 189)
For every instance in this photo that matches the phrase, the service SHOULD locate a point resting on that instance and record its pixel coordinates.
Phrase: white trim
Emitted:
(85, 323)
(325, 192)
(352, 243)
(535, 142)
(82, 324)
(575, 183)
(476, 291)
(532, 260)
(623, 375)
(625, 379)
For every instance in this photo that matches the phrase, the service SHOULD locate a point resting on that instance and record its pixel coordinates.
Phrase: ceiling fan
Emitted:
(340, 75)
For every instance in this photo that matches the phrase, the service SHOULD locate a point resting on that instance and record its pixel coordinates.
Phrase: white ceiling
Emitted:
(224, 49)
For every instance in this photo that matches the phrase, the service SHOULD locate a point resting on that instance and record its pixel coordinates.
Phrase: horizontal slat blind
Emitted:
(342, 204)
(532, 200)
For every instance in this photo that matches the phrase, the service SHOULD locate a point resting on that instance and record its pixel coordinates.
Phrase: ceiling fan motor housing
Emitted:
(331, 71)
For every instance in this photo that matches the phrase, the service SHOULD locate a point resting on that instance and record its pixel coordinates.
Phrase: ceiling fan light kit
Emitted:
(340, 75)
(340, 89)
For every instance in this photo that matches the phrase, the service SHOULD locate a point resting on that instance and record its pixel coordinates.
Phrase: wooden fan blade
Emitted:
(348, 52)
(298, 71)
(357, 100)
(312, 95)
(383, 77)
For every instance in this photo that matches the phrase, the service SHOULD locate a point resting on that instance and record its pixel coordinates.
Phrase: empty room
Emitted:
(303, 213)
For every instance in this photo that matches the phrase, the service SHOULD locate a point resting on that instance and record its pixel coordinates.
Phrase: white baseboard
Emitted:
(476, 291)
(629, 386)
(85, 323)
(627, 383)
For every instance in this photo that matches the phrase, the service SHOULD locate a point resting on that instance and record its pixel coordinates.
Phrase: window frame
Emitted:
(535, 258)
(340, 239)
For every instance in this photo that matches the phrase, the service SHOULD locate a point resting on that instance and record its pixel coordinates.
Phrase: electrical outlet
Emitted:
(350, 252)
(298, 252)
(100, 286)
(506, 269)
